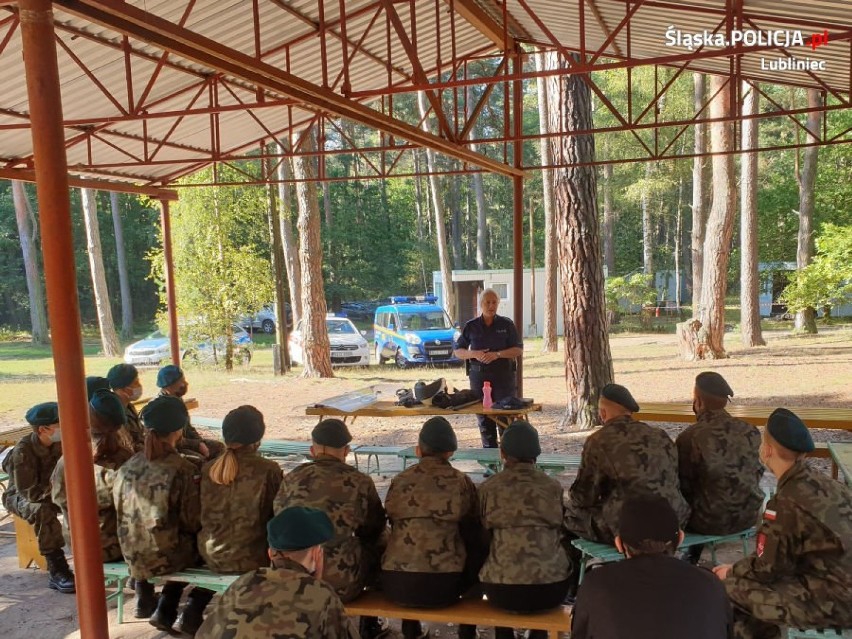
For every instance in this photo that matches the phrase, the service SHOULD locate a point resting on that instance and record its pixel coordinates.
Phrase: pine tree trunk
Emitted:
(281, 364)
(109, 339)
(479, 196)
(421, 215)
(699, 216)
(647, 226)
(677, 241)
(608, 221)
(550, 343)
(749, 302)
(316, 350)
(455, 223)
(326, 204)
(440, 223)
(806, 319)
(720, 223)
(291, 248)
(27, 233)
(123, 278)
(588, 363)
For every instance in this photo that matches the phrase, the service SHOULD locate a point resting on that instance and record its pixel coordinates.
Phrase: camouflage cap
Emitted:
(438, 436)
(121, 375)
(168, 375)
(520, 441)
(298, 528)
(165, 414)
(243, 425)
(711, 383)
(107, 404)
(332, 433)
(787, 429)
(95, 383)
(621, 396)
(648, 518)
(44, 414)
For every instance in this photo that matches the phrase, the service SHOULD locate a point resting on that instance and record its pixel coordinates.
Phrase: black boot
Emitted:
(693, 554)
(412, 629)
(61, 578)
(467, 631)
(146, 599)
(193, 613)
(166, 613)
(370, 628)
(536, 634)
(501, 632)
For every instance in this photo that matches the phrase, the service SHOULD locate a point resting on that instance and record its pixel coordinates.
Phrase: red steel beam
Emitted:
(518, 210)
(130, 20)
(482, 22)
(26, 175)
(52, 187)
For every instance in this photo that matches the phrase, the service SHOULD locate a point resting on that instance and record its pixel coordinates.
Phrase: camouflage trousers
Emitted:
(761, 609)
(43, 517)
(588, 523)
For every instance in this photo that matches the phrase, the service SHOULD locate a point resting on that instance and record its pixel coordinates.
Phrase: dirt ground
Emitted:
(788, 371)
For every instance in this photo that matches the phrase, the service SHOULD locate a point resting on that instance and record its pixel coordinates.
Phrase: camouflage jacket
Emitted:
(107, 522)
(233, 517)
(133, 432)
(158, 506)
(432, 509)
(806, 537)
(623, 458)
(720, 471)
(29, 466)
(349, 498)
(278, 603)
(522, 511)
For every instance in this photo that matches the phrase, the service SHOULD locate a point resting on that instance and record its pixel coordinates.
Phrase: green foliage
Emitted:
(221, 256)
(633, 290)
(827, 281)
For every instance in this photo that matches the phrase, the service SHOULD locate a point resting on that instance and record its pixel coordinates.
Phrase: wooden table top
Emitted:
(389, 409)
(822, 417)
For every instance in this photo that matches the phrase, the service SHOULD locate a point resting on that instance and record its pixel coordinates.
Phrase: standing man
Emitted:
(30, 465)
(719, 465)
(288, 600)
(124, 382)
(172, 382)
(490, 344)
(801, 572)
(651, 594)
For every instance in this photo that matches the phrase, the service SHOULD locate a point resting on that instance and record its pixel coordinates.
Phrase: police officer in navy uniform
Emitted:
(491, 343)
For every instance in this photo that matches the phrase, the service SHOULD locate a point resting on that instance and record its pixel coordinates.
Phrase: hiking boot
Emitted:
(61, 578)
(412, 629)
(467, 631)
(501, 632)
(193, 613)
(167, 606)
(370, 628)
(146, 599)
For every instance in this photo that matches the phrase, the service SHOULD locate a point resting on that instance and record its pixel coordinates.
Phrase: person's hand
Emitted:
(722, 570)
(488, 357)
(481, 356)
(203, 450)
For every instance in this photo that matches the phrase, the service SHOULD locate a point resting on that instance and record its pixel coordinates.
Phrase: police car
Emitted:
(348, 346)
(414, 330)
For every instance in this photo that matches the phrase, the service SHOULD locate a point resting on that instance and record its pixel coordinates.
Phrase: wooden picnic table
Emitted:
(389, 409)
(841, 455)
(822, 417)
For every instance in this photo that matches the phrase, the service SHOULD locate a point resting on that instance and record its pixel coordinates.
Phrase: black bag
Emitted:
(405, 397)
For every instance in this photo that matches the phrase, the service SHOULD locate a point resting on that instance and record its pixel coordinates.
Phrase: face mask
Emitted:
(56, 436)
(136, 394)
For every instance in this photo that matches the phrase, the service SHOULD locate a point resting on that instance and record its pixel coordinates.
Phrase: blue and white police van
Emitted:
(414, 330)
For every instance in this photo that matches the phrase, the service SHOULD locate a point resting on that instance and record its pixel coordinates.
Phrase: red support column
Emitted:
(171, 298)
(518, 208)
(42, 75)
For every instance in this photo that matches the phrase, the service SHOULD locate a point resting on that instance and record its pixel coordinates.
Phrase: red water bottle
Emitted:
(487, 402)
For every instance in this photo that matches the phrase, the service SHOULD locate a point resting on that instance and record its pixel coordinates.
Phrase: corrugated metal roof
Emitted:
(107, 136)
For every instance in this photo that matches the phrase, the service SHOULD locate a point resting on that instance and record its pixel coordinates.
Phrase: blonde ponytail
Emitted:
(224, 469)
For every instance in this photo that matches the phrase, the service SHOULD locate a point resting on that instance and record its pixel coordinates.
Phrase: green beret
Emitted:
(165, 414)
(520, 441)
(438, 436)
(243, 425)
(787, 429)
(107, 404)
(713, 384)
(298, 528)
(44, 414)
(96, 383)
(168, 375)
(122, 375)
(332, 433)
(621, 396)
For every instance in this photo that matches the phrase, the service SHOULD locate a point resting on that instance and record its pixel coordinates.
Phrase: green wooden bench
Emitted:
(489, 458)
(606, 553)
(375, 452)
(278, 448)
(211, 423)
(117, 573)
(798, 633)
